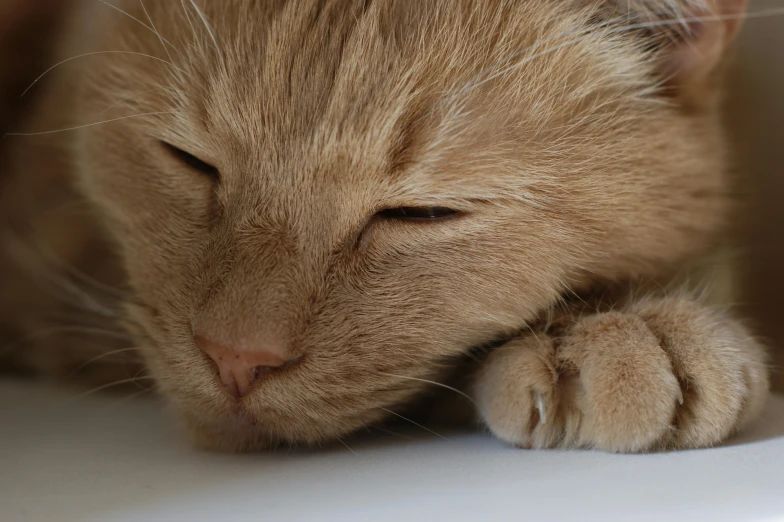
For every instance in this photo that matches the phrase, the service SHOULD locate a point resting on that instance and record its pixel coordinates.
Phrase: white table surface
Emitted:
(112, 459)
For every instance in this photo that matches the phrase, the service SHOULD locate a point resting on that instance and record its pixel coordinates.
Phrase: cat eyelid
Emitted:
(192, 161)
(419, 213)
(408, 214)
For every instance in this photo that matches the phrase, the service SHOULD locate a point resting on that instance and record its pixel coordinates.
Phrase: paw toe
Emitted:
(629, 392)
(515, 393)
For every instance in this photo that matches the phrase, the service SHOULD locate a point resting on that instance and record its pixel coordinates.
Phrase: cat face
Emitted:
(369, 189)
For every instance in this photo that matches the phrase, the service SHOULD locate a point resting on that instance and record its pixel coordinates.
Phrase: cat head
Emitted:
(318, 203)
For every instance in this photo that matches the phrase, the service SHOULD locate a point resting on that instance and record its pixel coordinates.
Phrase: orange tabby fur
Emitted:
(580, 156)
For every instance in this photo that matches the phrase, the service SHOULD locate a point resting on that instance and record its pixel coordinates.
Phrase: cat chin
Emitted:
(242, 433)
(231, 434)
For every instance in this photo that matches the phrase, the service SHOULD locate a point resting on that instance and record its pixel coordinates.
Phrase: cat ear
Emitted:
(709, 31)
(692, 39)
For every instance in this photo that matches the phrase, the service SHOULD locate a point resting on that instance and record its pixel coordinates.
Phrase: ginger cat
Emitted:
(306, 215)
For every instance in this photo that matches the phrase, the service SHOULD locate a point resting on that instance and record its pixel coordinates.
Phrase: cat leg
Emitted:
(656, 374)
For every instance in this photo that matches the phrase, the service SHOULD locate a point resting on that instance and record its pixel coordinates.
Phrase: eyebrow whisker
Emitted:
(83, 55)
(104, 2)
(87, 125)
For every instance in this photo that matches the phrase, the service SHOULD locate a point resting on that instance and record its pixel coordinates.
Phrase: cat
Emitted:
(296, 219)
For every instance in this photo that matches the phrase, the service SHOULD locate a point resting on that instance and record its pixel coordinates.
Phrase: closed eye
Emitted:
(418, 213)
(192, 161)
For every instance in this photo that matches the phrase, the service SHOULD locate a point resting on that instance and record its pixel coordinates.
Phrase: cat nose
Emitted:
(240, 369)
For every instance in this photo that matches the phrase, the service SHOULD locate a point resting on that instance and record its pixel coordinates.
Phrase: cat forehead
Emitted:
(346, 55)
(370, 88)
(328, 73)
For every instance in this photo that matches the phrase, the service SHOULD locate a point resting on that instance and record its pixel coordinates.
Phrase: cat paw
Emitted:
(720, 367)
(517, 393)
(664, 373)
(628, 395)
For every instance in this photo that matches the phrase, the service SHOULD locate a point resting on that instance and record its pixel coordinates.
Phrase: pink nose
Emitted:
(239, 370)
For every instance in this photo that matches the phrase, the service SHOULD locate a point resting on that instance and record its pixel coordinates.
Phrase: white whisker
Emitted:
(412, 422)
(536, 45)
(101, 356)
(83, 55)
(48, 257)
(126, 14)
(64, 330)
(626, 28)
(155, 30)
(463, 394)
(141, 23)
(390, 432)
(206, 24)
(26, 261)
(128, 398)
(127, 98)
(347, 446)
(87, 125)
(112, 384)
(188, 17)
